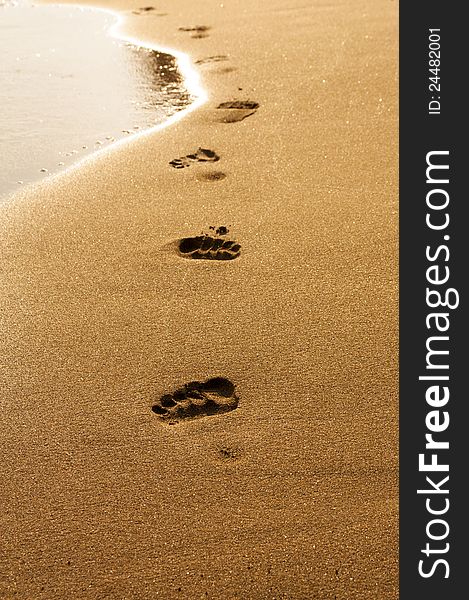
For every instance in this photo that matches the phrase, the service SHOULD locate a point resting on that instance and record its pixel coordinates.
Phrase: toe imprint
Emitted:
(180, 163)
(197, 399)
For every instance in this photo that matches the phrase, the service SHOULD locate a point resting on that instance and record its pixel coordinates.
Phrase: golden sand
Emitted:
(294, 493)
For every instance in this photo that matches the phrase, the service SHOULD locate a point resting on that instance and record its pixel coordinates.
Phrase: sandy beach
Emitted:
(292, 494)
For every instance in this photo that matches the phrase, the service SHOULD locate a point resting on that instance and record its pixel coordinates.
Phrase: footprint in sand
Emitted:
(201, 155)
(234, 111)
(211, 176)
(211, 246)
(199, 31)
(146, 9)
(197, 399)
(214, 61)
(229, 453)
(143, 9)
(224, 70)
(211, 59)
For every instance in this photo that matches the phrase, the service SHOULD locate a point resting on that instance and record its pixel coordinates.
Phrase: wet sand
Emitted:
(292, 493)
(70, 88)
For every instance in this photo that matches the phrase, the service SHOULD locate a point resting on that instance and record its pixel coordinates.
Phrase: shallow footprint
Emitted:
(211, 59)
(211, 176)
(234, 111)
(199, 31)
(197, 399)
(201, 155)
(224, 70)
(229, 453)
(143, 9)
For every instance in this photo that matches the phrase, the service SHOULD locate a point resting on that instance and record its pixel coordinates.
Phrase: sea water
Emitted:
(68, 88)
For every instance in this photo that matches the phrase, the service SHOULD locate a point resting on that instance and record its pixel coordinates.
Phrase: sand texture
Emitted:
(279, 479)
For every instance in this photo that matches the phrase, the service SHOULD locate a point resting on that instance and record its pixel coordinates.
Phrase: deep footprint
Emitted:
(209, 247)
(237, 110)
(201, 155)
(197, 399)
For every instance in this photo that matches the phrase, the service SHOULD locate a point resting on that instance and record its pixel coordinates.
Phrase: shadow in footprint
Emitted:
(205, 247)
(201, 155)
(199, 31)
(197, 399)
(234, 111)
(212, 246)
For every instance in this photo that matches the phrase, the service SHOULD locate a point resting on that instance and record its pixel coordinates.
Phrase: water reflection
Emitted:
(159, 80)
(67, 88)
